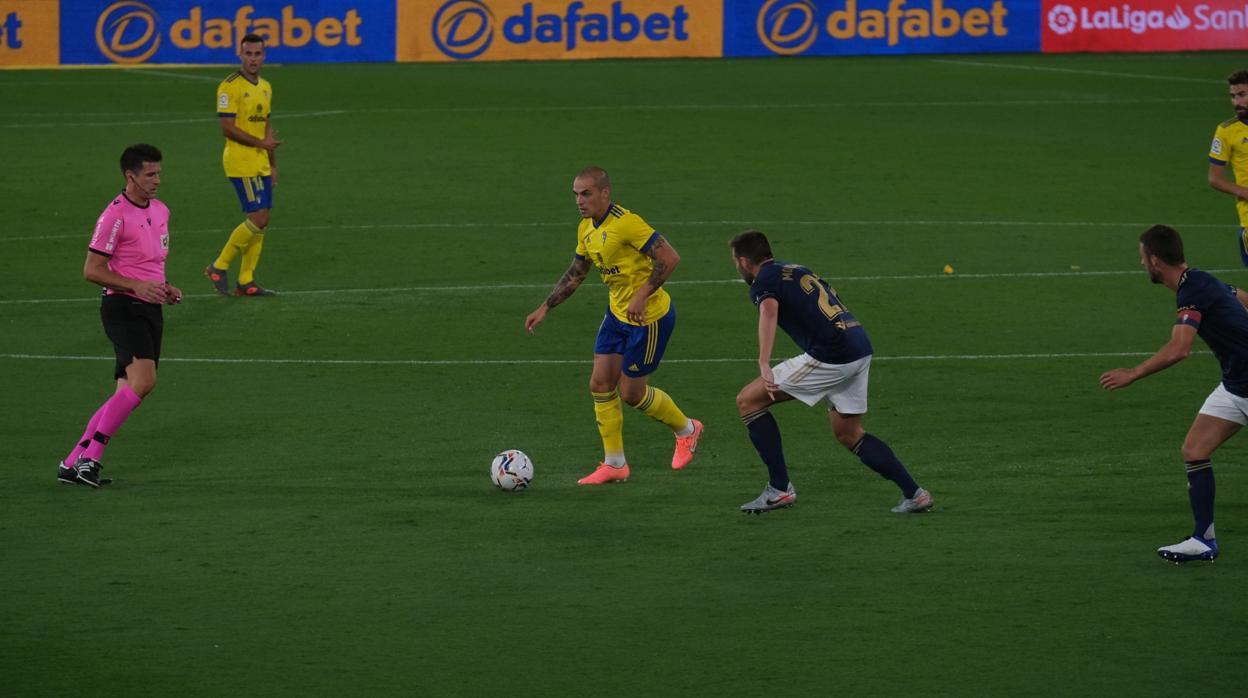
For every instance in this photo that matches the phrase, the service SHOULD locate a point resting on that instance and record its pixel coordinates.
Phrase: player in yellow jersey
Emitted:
(634, 261)
(244, 103)
(1230, 145)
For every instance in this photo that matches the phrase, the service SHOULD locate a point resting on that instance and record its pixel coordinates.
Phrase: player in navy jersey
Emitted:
(833, 367)
(1218, 313)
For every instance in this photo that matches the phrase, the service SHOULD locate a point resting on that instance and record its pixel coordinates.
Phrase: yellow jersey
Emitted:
(617, 247)
(1230, 145)
(250, 104)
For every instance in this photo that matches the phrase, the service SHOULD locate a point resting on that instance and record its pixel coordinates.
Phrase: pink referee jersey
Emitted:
(134, 238)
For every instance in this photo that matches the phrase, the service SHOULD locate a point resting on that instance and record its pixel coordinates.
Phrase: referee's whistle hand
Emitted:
(150, 291)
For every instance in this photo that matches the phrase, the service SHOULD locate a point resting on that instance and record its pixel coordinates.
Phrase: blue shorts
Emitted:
(254, 193)
(641, 345)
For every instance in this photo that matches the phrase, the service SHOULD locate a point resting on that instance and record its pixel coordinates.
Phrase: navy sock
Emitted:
(876, 455)
(1200, 491)
(765, 434)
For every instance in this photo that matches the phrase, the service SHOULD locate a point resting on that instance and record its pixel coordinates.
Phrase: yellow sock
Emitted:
(239, 239)
(660, 406)
(610, 415)
(251, 257)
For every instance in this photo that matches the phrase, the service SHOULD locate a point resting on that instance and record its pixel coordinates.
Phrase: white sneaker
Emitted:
(921, 501)
(1191, 549)
(771, 498)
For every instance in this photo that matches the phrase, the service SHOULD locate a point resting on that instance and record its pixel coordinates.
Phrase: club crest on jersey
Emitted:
(604, 237)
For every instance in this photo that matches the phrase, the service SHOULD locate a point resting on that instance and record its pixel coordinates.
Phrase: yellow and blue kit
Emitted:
(617, 246)
(247, 167)
(1230, 147)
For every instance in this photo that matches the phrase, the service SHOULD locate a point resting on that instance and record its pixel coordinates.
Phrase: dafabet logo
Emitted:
(535, 29)
(130, 31)
(790, 27)
(29, 32)
(10, 36)
(465, 28)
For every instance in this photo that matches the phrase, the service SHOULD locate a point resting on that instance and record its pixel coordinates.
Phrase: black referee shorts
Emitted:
(134, 327)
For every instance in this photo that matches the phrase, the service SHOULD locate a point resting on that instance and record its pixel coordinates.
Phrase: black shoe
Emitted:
(66, 474)
(252, 290)
(220, 279)
(88, 471)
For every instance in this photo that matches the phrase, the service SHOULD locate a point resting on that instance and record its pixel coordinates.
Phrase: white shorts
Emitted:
(1224, 404)
(843, 386)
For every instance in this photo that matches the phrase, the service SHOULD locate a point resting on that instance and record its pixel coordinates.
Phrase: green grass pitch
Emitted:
(303, 506)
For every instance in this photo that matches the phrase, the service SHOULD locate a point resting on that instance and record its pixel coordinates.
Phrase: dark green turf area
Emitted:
(302, 506)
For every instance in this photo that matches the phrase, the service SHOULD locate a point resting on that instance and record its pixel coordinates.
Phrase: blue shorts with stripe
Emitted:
(641, 345)
(254, 193)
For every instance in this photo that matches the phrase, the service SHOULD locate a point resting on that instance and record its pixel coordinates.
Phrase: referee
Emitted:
(127, 257)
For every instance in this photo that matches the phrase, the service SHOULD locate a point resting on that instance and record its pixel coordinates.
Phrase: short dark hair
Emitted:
(752, 245)
(132, 158)
(251, 38)
(1163, 242)
(602, 180)
(1239, 77)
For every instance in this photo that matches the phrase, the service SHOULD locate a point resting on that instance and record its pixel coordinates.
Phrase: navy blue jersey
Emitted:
(1212, 308)
(810, 313)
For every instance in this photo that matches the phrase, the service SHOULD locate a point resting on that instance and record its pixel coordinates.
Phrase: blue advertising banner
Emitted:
(208, 31)
(856, 27)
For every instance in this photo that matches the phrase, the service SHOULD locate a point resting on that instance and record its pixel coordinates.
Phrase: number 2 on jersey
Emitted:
(810, 284)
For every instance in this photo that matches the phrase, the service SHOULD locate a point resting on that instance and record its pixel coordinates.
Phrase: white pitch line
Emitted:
(646, 107)
(562, 362)
(491, 288)
(466, 225)
(160, 122)
(1077, 71)
(168, 74)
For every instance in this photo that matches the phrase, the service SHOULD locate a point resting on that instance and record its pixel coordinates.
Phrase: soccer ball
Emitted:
(511, 471)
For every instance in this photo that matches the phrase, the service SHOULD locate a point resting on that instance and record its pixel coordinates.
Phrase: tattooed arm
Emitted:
(665, 261)
(567, 285)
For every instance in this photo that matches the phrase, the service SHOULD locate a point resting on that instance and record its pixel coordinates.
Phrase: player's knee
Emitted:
(633, 395)
(746, 403)
(598, 385)
(1192, 451)
(260, 218)
(849, 437)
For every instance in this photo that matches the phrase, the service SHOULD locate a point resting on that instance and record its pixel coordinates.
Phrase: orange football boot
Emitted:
(605, 473)
(685, 446)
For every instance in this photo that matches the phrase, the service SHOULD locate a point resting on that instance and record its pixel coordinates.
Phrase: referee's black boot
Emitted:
(88, 471)
(67, 474)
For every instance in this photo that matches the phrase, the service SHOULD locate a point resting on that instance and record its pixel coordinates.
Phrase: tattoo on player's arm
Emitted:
(567, 285)
(661, 271)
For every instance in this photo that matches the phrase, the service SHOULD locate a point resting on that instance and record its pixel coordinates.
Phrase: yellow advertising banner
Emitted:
(506, 30)
(30, 32)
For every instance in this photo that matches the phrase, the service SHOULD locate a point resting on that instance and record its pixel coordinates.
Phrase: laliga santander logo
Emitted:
(127, 32)
(463, 29)
(1062, 19)
(787, 27)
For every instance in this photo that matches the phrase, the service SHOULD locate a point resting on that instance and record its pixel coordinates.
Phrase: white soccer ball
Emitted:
(511, 471)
